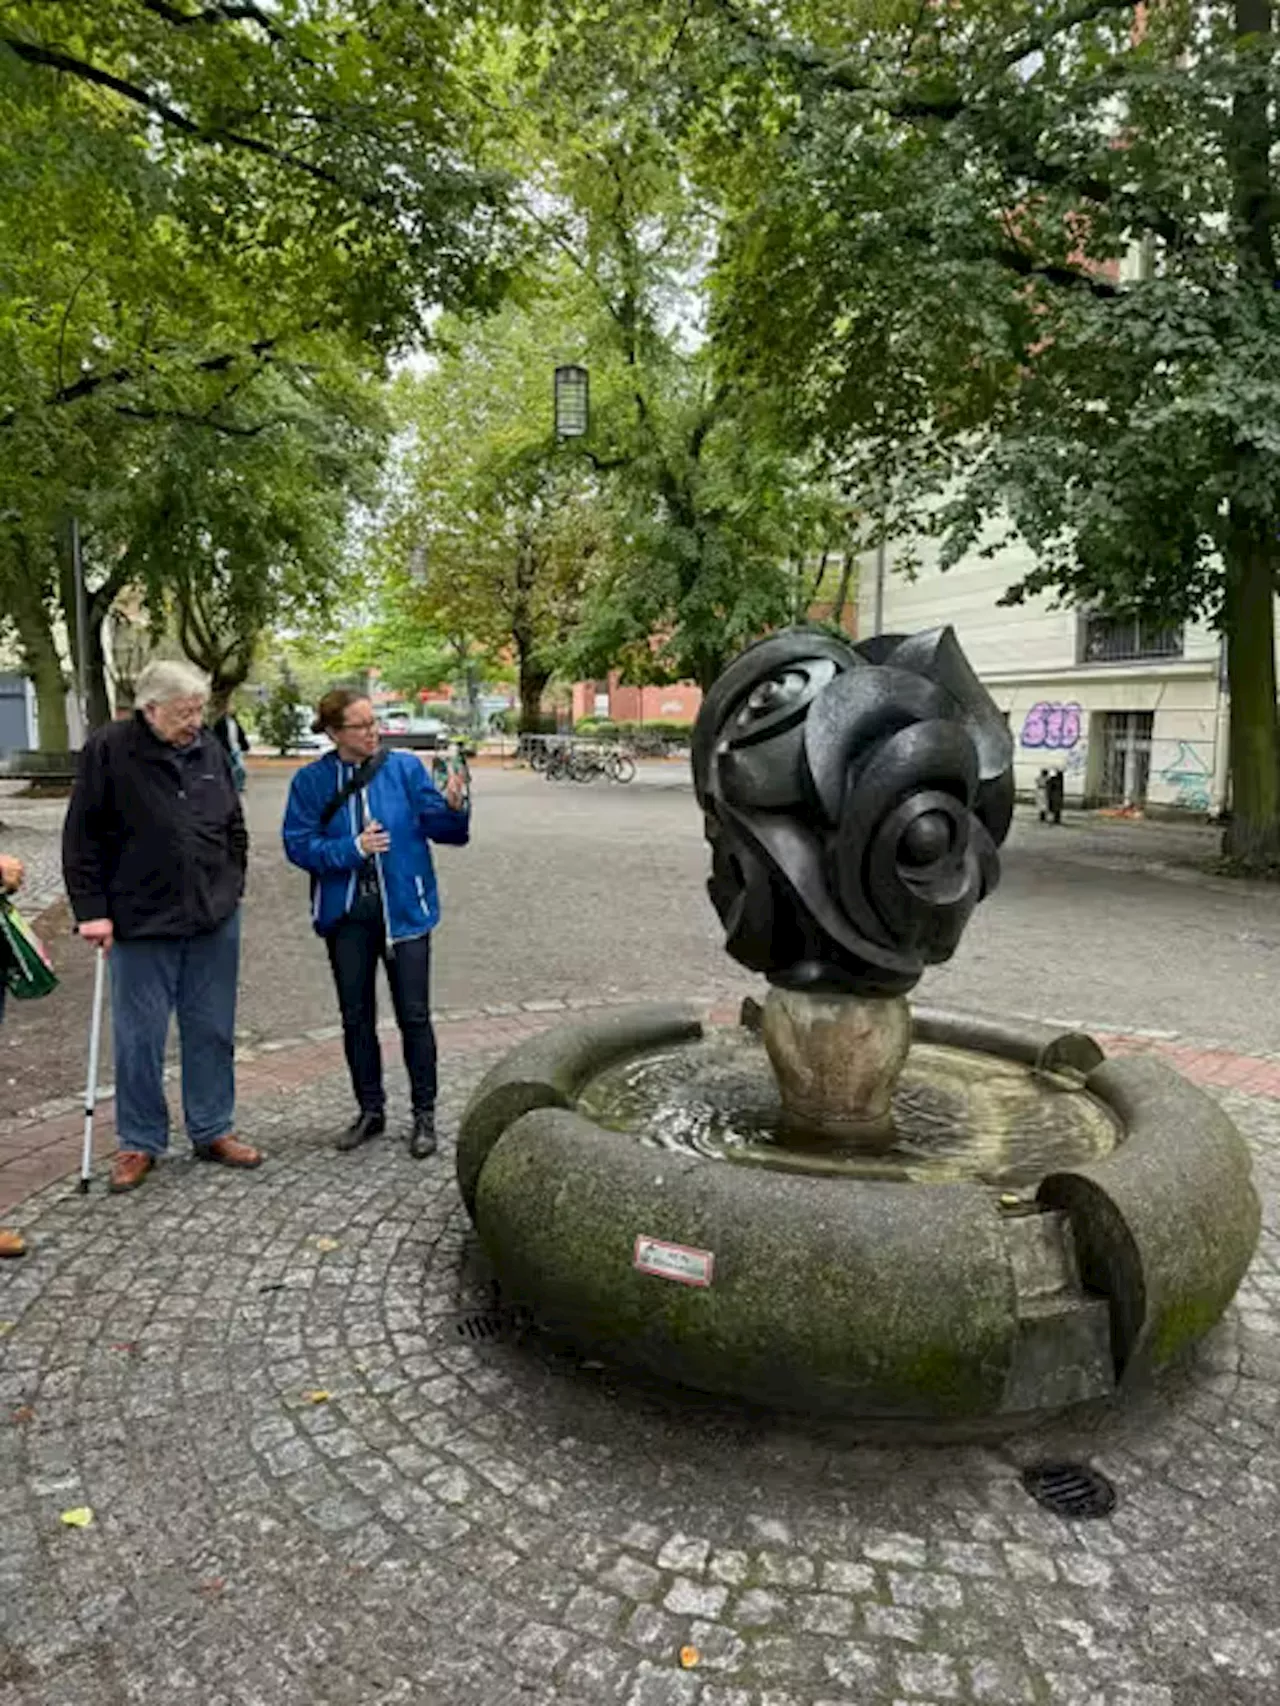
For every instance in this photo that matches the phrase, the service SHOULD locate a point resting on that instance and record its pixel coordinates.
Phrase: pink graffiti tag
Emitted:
(1053, 726)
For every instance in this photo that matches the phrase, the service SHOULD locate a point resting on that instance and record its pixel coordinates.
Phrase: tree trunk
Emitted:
(40, 654)
(533, 677)
(533, 673)
(842, 591)
(96, 667)
(44, 666)
(1251, 553)
(1253, 835)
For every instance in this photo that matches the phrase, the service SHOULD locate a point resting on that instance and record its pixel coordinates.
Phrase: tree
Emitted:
(225, 547)
(192, 198)
(711, 505)
(282, 716)
(1018, 263)
(508, 527)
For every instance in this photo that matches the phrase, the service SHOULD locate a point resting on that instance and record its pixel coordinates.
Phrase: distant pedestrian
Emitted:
(1042, 795)
(360, 820)
(235, 743)
(11, 875)
(1055, 792)
(154, 852)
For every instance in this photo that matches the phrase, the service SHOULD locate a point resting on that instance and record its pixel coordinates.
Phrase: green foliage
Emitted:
(282, 718)
(1015, 266)
(215, 223)
(502, 528)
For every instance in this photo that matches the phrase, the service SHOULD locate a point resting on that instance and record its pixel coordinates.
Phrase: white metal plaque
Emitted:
(674, 1261)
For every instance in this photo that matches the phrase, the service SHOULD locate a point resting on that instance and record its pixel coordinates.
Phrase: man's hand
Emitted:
(11, 873)
(98, 932)
(455, 791)
(373, 838)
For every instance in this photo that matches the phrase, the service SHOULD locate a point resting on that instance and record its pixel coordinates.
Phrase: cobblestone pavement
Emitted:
(32, 832)
(308, 1488)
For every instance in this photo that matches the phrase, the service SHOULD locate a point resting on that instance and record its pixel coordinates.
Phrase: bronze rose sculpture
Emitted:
(854, 796)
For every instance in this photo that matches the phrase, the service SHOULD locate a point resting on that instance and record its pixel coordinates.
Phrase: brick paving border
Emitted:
(44, 1144)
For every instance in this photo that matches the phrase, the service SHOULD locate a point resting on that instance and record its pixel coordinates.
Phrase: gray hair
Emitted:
(169, 678)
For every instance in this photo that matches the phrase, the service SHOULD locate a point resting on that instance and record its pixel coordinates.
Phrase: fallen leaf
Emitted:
(126, 1346)
(23, 1413)
(689, 1657)
(213, 1586)
(7, 1327)
(317, 1396)
(80, 1516)
(328, 1243)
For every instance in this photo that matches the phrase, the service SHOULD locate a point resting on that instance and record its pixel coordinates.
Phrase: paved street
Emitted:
(309, 1488)
(576, 892)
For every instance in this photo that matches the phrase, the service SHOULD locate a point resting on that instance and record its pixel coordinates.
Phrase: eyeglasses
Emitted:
(361, 727)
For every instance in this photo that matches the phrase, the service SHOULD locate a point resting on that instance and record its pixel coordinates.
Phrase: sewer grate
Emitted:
(1070, 1489)
(484, 1326)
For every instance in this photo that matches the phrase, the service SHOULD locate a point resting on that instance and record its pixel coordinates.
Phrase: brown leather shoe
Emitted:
(11, 1243)
(230, 1152)
(129, 1169)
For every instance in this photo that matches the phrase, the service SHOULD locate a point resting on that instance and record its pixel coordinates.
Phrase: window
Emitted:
(1120, 639)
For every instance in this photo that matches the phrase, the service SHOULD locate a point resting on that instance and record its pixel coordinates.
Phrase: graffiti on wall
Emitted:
(1189, 776)
(1052, 727)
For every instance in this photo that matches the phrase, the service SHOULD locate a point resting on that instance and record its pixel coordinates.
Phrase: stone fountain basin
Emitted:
(865, 1296)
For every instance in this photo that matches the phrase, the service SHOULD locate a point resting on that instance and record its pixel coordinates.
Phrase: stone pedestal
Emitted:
(837, 1059)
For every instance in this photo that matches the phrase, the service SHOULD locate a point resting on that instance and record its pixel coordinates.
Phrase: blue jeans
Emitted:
(151, 979)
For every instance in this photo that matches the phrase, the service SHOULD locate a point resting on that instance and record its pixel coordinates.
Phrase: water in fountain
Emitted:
(958, 1115)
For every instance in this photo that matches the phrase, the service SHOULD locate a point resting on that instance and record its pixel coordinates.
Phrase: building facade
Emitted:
(1132, 713)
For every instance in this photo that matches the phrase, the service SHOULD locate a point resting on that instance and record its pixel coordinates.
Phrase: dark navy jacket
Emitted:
(413, 813)
(154, 837)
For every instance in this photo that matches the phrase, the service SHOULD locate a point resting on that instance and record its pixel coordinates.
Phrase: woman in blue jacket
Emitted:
(361, 821)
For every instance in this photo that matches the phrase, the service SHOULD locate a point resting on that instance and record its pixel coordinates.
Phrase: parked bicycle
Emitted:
(569, 760)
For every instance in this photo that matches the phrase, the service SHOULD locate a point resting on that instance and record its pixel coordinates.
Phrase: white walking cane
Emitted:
(382, 887)
(91, 1085)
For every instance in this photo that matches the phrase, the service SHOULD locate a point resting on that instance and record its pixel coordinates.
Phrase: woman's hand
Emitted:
(11, 873)
(373, 838)
(455, 791)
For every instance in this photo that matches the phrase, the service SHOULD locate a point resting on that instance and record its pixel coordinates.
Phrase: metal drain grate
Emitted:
(483, 1326)
(1070, 1489)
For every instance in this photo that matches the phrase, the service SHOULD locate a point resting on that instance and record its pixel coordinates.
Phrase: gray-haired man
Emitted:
(153, 853)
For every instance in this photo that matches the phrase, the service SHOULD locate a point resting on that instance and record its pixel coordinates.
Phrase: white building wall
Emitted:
(1026, 655)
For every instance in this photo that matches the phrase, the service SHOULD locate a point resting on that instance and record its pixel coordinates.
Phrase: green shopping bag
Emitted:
(28, 970)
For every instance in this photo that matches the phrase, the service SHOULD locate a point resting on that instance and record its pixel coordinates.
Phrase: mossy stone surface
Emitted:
(880, 1300)
(548, 1070)
(1165, 1226)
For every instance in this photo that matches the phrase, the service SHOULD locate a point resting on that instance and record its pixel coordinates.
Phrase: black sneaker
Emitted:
(422, 1136)
(361, 1129)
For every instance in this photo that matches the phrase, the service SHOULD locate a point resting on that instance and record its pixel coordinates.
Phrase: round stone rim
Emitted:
(867, 1298)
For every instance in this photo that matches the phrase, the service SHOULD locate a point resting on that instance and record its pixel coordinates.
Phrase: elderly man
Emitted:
(153, 854)
(11, 875)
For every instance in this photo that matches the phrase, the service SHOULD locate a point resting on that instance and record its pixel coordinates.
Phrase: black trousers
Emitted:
(355, 947)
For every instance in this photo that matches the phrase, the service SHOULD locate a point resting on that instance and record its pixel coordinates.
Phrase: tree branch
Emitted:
(184, 417)
(88, 383)
(217, 15)
(55, 60)
(1017, 260)
(1018, 160)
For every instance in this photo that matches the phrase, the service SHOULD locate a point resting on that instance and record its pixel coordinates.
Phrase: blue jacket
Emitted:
(409, 808)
